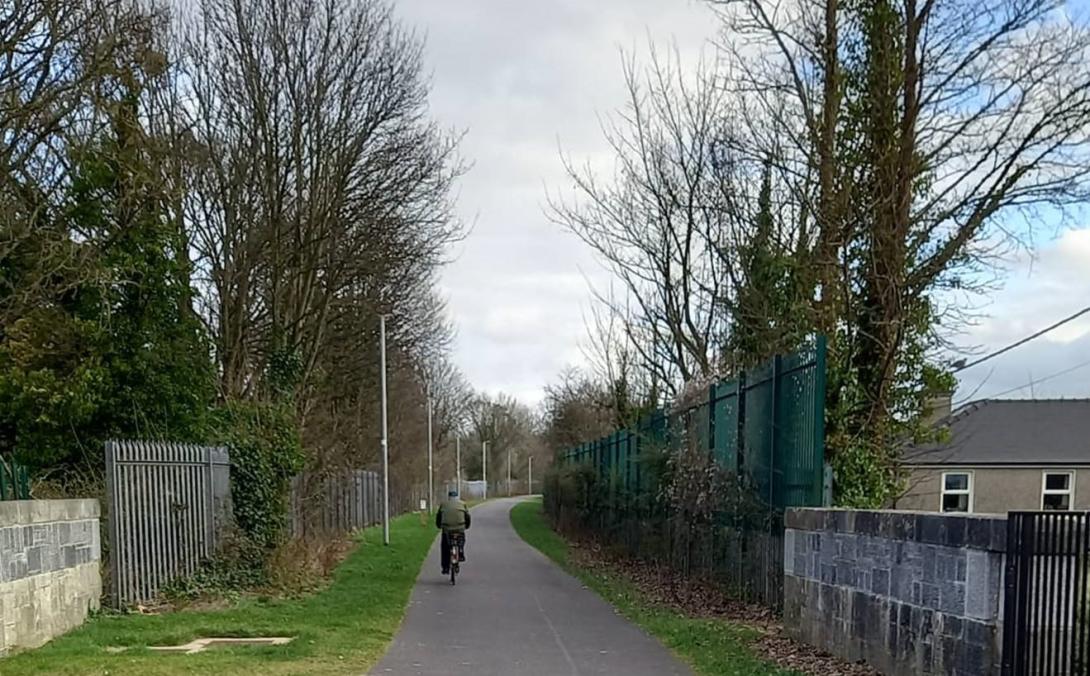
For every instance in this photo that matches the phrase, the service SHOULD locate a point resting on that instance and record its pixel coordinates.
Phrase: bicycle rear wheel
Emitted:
(453, 570)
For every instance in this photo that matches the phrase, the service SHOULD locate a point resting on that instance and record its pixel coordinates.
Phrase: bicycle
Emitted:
(457, 541)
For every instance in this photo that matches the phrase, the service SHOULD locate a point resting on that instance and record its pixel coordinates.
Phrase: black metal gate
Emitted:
(1045, 621)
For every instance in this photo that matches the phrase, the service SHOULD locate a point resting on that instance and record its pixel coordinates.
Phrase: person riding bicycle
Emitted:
(453, 518)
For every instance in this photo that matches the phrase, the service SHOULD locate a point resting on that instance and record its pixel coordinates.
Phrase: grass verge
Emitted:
(710, 646)
(342, 630)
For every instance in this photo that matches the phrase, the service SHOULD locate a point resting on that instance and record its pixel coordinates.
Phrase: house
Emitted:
(1004, 455)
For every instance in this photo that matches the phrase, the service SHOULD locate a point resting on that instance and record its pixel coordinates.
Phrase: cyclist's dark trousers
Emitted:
(444, 549)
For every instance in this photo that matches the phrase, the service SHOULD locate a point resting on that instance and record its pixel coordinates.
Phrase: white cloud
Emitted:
(1039, 291)
(524, 79)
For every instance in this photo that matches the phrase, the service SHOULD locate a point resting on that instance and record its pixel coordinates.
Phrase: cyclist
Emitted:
(453, 518)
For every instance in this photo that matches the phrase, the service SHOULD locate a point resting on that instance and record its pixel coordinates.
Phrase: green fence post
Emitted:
(14, 480)
(24, 477)
(711, 419)
(773, 424)
(637, 454)
(819, 426)
(628, 464)
(740, 427)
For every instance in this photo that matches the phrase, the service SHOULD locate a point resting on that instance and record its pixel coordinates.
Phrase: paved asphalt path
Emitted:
(514, 613)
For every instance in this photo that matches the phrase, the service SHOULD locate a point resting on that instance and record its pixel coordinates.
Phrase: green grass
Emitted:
(710, 646)
(342, 630)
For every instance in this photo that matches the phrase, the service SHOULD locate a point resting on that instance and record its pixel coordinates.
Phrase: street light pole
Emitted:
(385, 435)
(431, 475)
(458, 462)
(484, 467)
(508, 471)
(530, 483)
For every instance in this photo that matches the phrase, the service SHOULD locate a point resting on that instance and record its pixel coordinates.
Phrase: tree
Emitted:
(898, 149)
(512, 432)
(108, 353)
(768, 313)
(666, 222)
(323, 189)
(58, 55)
(918, 135)
(577, 409)
(286, 148)
(320, 200)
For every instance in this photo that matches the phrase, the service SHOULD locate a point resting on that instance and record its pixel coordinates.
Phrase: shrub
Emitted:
(573, 494)
(266, 451)
(299, 566)
(238, 566)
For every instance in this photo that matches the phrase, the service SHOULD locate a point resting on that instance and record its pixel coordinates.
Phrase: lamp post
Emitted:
(484, 467)
(431, 474)
(385, 435)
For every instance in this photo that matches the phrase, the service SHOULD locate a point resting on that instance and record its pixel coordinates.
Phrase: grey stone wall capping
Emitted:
(986, 532)
(29, 512)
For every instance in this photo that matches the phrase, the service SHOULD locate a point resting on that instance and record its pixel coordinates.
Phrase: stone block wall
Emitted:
(908, 592)
(50, 551)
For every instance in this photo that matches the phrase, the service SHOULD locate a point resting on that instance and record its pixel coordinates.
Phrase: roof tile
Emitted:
(1012, 431)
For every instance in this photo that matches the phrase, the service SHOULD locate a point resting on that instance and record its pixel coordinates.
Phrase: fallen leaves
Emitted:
(705, 599)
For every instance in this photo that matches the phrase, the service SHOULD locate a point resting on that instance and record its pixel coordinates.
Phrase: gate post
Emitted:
(1010, 586)
(1020, 550)
(113, 517)
(211, 488)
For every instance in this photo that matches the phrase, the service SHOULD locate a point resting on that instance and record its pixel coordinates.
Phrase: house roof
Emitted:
(1012, 432)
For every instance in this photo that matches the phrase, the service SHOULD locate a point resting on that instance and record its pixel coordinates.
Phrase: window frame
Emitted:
(968, 490)
(1070, 492)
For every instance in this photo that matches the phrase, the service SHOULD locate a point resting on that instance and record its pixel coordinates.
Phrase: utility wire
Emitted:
(1025, 340)
(1064, 372)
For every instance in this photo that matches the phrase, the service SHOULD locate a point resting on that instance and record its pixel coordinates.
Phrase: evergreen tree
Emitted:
(119, 354)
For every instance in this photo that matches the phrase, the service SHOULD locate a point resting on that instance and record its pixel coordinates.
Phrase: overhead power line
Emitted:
(1047, 378)
(1023, 341)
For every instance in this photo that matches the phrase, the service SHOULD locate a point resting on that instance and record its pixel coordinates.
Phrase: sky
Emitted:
(526, 80)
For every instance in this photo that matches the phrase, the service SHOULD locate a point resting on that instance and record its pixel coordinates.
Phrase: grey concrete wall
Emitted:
(996, 490)
(910, 593)
(50, 551)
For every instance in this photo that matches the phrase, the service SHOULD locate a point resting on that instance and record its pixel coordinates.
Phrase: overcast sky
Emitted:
(527, 79)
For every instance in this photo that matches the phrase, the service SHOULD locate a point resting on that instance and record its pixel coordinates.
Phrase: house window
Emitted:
(1057, 490)
(957, 492)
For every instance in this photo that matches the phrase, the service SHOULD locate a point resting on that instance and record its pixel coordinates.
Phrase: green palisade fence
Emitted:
(767, 425)
(14, 481)
(766, 428)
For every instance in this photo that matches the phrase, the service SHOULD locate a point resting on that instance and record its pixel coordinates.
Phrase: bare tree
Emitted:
(511, 429)
(323, 187)
(577, 409)
(319, 198)
(666, 221)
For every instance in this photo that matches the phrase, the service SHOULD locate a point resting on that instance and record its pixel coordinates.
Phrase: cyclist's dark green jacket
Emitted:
(453, 515)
